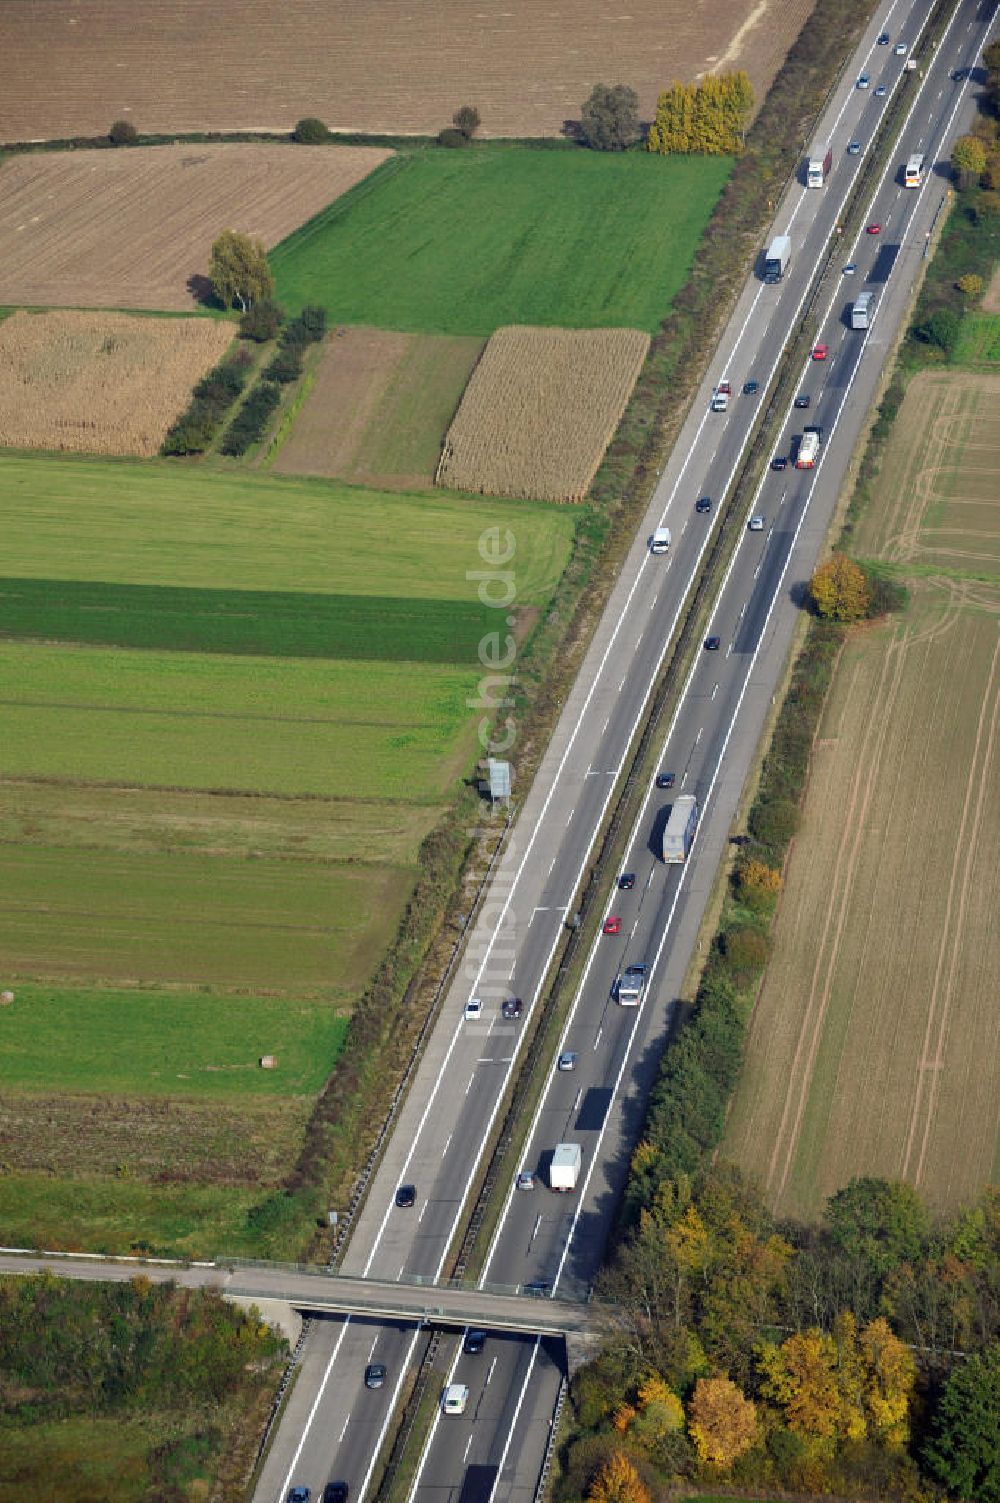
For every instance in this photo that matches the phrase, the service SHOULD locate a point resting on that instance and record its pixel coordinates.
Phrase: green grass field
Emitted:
(462, 242)
(288, 624)
(268, 925)
(163, 524)
(166, 1043)
(149, 822)
(978, 339)
(183, 720)
(402, 441)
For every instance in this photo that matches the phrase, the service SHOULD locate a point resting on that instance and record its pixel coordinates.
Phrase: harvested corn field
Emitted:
(100, 383)
(133, 229)
(540, 410)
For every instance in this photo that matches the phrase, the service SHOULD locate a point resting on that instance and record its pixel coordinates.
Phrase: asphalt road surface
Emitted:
(334, 1427)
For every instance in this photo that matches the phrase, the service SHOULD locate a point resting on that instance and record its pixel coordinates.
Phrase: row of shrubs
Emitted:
(211, 400)
(216, 393)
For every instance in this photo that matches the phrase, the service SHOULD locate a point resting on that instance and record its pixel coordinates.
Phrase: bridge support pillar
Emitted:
(581, 1347)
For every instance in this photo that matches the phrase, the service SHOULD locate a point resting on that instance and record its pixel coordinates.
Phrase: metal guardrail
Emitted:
(550, 1444)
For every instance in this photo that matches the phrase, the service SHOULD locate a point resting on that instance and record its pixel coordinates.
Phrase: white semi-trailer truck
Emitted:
(818, 165)
(777, 258)
(678, 832)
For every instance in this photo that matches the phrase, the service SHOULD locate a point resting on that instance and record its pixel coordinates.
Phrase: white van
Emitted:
(660, 541)
(455, 1398)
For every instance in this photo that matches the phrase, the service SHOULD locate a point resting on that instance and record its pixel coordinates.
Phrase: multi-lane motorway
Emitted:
(334, 1426)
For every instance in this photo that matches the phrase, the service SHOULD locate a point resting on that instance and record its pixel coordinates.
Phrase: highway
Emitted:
(334, 1427)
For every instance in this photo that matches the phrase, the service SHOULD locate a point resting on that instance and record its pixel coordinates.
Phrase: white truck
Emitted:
(721, 395)
(660, 541)
(678, 832)
(818, 165)
(777, 258)
(564, 1171)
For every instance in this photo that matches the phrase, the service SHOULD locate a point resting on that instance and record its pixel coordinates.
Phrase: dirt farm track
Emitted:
(71, 67)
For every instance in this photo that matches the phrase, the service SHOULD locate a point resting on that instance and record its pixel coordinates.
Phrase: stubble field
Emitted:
(540, 410)
(100, 383)
(132, 228)
(875, 1046)
(383, 66)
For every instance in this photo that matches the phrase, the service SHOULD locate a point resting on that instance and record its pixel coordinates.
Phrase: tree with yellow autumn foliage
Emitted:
(721, 1422)
(890, 1379)
(617, 1481)
(839, 590)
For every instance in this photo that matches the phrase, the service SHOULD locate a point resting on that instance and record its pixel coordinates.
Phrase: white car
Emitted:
(455, 1398)
(900, 49)
(850, 268)
(473, 1009)
(756, 524)
(864, 80)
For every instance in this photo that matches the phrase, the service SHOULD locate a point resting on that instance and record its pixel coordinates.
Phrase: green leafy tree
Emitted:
(467, 120)
(610, 117)
(878, 1222)
(262, 322)
(123, 133)
(452, 136)
(964, 1449)
(940, 330)
(310, 131)
(238, 270)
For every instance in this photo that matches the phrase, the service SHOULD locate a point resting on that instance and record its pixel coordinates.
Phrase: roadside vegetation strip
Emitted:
(134, 229)
(463, 242)
(259, 622)
(173, 525)
(100, 383)
(539, 411)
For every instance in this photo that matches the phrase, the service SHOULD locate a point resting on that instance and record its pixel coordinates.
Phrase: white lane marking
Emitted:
(715, 689)
(316, 1403)
(390, 1411)
(402, 1270)
(344, 1430)
(579, 1097)
(514, 1419)
(372, 1352)
(468, 1448)
(701, 732)
(447, 1144)
(421, 1216)
(743, 608)
(598, 1038)
(551, 865)
(570, 815)
(490, 1373)
(469, 1086)
(623, 683)
(729, 649)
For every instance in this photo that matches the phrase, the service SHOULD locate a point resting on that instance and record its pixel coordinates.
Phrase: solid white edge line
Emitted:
(316, 1403)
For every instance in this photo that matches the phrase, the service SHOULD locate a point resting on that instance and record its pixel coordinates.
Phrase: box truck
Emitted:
(805, 459)
(564, 1171)
(660, 541)
(818, 165)
(631, 985)
(861, 310)
(678, 832)
(777, 258)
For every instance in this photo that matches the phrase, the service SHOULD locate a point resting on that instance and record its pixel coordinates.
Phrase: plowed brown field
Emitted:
(130, 228)
(374, 65)
(875, 1045)
(100, 383)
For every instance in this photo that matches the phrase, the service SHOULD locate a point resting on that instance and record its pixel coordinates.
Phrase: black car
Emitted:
(299, 1495)
(803, 400)
(712, 644)
(751, 388)
(626, 881)
(473, 1343)
(664, 780)
(883, 40)
(406, 1196)
(540, 1288)
(779, 462)
(336, 1492)
(512, 1007)
(703, 504)
(375, 1374)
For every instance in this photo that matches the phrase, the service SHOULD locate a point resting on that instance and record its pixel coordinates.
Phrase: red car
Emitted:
(820, 351)
(613, 925)
(875, 229)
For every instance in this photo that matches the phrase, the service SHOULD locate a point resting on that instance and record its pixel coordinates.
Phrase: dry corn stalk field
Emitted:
(540, 410)
(131, 228)
(373, 65)
(100, 383)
